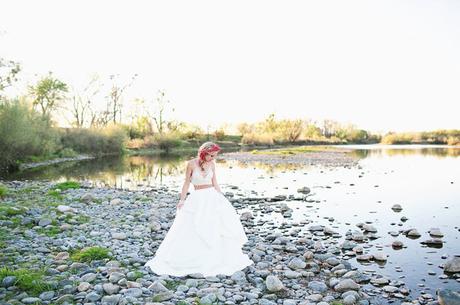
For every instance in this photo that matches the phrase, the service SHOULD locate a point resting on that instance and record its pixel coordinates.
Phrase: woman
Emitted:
(206, 235)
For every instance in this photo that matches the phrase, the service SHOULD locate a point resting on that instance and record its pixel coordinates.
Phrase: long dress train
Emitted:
(205, 237)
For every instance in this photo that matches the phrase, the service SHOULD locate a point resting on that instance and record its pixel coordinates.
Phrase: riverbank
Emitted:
(308, 155)
(89, 245)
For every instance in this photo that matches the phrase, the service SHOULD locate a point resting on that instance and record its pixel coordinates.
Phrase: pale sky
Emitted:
(382, 65)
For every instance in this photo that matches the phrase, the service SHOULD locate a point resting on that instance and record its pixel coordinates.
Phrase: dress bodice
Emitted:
(199, 177)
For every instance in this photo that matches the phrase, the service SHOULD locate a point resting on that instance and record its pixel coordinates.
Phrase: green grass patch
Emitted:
(67, 185)
(90, 254)
(56, 194)
(11, 211)
(172, 285)
(3, 190)
(27, 280)
(52, 231)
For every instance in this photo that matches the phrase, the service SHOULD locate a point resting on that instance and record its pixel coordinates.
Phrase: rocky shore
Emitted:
(326, 158)
(75, 244)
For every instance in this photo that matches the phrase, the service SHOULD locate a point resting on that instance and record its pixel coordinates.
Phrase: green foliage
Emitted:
(3, 191)
(219, 134)
(8, 73)
(449, 137)
(108, 140)
(167, 142)
(47, 94)
(257, 139)
(27, 280)
(67, 185)
(11, 211)
(23, 133)
(90, 254)
(67, 153)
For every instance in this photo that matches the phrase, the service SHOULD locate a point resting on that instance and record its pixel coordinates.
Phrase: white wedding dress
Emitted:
(205, 237)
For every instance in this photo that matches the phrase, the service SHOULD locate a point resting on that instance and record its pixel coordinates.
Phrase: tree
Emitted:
(81, 108)
(161, 107)
(48, 93)
(114, 106)
(8, 73)
(291, 129)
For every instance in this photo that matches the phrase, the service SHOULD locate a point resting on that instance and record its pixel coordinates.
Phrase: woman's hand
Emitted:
(180, 204)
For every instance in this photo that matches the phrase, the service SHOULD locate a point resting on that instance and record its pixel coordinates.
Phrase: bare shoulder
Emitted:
(191, 163)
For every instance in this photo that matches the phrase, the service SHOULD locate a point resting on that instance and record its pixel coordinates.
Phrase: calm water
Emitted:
(424, 180)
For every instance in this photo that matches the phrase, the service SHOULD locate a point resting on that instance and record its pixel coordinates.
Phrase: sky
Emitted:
(381, 65)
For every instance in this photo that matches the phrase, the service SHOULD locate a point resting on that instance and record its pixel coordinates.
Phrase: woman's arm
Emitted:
(214, 178)
(185, 187)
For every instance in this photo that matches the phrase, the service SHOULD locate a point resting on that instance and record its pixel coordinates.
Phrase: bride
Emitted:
(206, 235)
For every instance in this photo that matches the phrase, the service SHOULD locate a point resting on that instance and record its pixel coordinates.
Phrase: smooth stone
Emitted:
(110, 288)
(273, 283)
(317, 286)
(345, 285)
(31, 300)
(110, 299)
(448, 297)
(453, 265)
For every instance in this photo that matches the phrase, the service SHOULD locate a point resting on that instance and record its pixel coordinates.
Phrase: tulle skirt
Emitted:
(205, 237)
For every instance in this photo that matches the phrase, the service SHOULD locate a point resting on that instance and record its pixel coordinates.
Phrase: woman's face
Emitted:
(211, 156)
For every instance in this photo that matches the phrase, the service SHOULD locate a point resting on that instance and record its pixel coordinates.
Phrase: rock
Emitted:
(292, 274)
(396, 207)
(83, 286)
(115, 277)
(110, 299)
(246, 216)
(8, 281)
(435, 242)
(44, 222)
(92, 297)
(390, 289)
(308, 255)
(88, 277)
(453, 265)
(369, 228)
(413, 233)
(31, 300)
(349, 300)
(448, 297)
(210, 298)
(435, 232)
(163, 296)
(297, 263)
(157, 286)
(397, 244)
(116, 201)
(273, 283)
(345, 285)
(110, 288)
(364, 257)
(119, 236)
(304, 190)
(317, 286)
(47, 295)
(86, 198)
(65, 208)
(239, 277)
(133, 292)
(379, 256)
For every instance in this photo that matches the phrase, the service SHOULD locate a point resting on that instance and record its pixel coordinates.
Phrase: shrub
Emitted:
(108, 140)
(257, 139)
(24, 133)
(166, 142)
